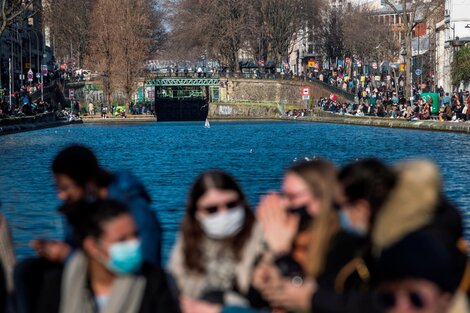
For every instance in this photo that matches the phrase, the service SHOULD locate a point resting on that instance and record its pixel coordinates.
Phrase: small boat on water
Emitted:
(207, 124)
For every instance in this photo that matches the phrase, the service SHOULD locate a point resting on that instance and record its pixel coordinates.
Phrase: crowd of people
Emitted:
(366, 237)
(388, 104)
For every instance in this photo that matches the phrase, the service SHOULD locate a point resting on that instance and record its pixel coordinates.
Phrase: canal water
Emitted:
(168, 156)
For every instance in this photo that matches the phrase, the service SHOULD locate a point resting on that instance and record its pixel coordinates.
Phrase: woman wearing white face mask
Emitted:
(107, 274)
(213, 257)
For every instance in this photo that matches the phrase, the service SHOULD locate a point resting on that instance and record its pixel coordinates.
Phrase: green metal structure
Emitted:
(181, 88)
(183, 81)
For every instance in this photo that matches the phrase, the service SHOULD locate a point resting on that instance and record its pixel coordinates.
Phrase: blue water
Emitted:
(168, 156)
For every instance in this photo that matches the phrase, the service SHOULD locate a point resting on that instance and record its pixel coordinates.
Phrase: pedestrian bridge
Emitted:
(179, 88)
(186, 81)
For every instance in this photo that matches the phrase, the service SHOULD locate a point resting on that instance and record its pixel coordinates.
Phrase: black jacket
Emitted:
(3, 290)
(343, 286)
(157, 296)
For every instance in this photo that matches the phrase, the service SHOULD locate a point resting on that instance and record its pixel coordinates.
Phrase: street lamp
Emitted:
(38, 66)
(403, 53)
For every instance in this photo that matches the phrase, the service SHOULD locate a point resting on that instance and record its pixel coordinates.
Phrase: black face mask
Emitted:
(305, 217)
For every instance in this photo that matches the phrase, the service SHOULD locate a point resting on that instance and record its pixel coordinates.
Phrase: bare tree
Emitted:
(215, 28)
(413, 13)
(281, 21)
(187, 38)
(365, 38)
(70, 38)
(133, 42)
(121, 40)
(330, 35)
(11, 10)
(103, 47)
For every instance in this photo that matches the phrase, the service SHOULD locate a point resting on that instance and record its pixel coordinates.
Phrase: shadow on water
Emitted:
(168, 156)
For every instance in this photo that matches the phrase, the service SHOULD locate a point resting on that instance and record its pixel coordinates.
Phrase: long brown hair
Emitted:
(192, 234)
(320, 176)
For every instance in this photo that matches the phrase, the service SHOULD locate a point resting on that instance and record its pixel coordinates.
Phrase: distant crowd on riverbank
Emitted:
(377, 103)
(365, 237)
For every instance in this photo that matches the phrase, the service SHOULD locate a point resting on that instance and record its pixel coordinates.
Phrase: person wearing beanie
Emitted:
(416, 275)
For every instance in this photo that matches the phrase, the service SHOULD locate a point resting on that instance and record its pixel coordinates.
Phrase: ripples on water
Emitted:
(168, 156)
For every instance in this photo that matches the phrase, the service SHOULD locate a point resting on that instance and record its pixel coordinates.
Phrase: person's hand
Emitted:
(52, 250)
(290, 296)
(264, 275)
(189, 305)
(279, 227)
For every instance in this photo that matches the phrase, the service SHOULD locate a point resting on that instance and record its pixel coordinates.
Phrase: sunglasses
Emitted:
(388, 300)
(215, 208)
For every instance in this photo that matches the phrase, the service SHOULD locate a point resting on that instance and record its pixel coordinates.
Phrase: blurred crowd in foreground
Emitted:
(367, 237)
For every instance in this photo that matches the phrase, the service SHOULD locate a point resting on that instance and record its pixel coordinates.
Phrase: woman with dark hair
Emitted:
(107, 273)
(213, 257)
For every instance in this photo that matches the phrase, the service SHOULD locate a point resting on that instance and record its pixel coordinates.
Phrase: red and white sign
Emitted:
(333, 97)
(306, 91)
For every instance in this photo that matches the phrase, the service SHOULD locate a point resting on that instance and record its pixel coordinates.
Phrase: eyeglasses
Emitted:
(215, 208)
(388, 300)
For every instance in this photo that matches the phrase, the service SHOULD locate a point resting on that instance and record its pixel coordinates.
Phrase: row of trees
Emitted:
(220, 28)
(112, 37)
(267, 28)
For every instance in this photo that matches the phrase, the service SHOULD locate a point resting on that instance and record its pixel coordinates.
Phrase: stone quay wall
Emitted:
(284, 92)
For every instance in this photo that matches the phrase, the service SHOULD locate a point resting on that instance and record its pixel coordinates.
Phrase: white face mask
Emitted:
(222, 225)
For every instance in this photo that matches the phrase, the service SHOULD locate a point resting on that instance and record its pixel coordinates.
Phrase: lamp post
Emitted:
(403, 53)
(10, 69)
(37, 50)
(21, 58)
(38, 65)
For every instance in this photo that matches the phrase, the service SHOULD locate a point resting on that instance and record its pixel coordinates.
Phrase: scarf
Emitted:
(126, 294)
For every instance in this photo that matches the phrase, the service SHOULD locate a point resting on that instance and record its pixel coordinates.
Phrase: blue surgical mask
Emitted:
(125, 257)
(347, 226)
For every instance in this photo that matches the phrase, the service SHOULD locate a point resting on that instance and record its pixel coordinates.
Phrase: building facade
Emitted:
(22, 46)
(455, 32)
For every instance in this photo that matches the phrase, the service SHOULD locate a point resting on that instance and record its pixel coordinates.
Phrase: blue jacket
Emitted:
(126, 188)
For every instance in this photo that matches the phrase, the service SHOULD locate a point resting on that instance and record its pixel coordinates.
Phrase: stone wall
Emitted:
(272, 91)
(228, 110)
